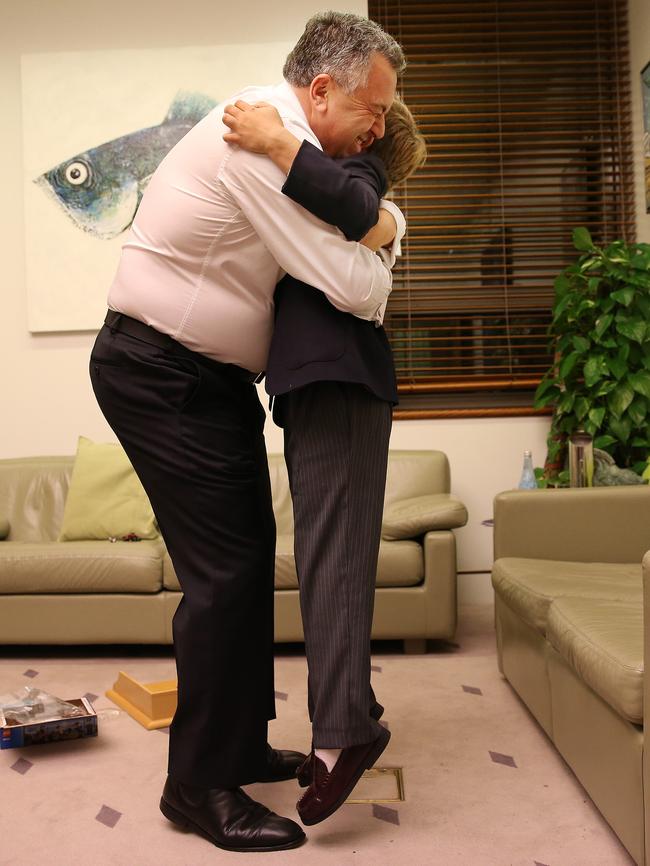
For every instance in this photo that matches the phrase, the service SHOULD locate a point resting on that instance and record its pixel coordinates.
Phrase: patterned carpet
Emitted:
(483, 785)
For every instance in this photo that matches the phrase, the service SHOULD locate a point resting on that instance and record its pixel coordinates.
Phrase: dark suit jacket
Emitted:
(312, 340)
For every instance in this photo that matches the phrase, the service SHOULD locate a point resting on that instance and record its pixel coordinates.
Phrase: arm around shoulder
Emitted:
(354, 279)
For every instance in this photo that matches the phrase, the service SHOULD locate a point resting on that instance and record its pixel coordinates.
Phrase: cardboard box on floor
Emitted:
(14, 736)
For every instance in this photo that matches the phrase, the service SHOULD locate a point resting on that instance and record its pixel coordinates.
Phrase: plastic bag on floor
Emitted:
(28, 705)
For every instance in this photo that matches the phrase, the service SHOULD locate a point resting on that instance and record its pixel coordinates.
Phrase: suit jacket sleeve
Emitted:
(342, 192)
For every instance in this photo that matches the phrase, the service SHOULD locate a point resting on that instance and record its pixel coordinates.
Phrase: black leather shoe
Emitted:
(228, 818)
(281, 765)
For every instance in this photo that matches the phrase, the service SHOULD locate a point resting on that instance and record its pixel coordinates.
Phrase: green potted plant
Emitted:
(600, 378)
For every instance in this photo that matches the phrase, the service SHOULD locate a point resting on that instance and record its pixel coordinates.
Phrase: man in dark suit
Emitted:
(332, 380)
(187, 334)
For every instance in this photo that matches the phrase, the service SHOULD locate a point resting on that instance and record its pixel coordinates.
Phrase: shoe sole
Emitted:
(372, 756)
(183, 821)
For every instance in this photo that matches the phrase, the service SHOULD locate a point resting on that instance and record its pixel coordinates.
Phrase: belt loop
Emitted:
(114, 319)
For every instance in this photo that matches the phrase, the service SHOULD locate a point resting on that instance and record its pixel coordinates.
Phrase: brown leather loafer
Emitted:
(305, 771)
(281, 764)
(329, 790)
(228, 818)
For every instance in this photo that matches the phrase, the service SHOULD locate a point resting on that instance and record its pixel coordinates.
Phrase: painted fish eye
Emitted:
(77, 173)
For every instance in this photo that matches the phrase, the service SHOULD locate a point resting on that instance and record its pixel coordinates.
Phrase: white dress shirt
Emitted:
(213, 235)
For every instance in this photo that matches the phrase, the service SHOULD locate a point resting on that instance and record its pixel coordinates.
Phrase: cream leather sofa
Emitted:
(569, 602)
(77, 592)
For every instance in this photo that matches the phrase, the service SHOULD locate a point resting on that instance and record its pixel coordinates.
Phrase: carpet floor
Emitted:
(483, 785)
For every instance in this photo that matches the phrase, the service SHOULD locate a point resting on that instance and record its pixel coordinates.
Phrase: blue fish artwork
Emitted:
(100, 189)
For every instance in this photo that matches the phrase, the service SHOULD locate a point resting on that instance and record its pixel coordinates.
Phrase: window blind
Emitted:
(525, 107)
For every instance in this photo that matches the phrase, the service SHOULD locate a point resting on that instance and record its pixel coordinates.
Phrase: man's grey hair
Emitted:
(342, 45)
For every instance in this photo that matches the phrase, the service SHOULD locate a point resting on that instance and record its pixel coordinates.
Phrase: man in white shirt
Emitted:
(188, 331)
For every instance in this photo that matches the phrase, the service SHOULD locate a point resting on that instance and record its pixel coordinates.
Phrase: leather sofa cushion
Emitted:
(411, 474)
(602, 640)
(29, 568)
(416, 473)
(528, 586)
(401, 563)
(411, 517)
(32, 496)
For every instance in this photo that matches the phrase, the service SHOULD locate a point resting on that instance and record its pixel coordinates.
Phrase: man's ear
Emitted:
(319, 90)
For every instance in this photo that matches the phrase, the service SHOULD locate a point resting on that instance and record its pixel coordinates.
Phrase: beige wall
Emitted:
(47, 401)
(639, 12)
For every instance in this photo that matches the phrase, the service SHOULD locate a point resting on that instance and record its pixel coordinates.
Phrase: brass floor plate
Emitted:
(379, 785)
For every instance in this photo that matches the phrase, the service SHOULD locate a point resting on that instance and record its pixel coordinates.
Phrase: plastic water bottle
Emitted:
(527, 480)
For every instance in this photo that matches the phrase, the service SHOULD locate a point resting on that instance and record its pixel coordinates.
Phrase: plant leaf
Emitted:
(581, 343)
(623, 296)
(602, 324)
(581, 407)
(617, 367)
(585, 305)
(620, 399)
(605, 387)
(638, 411)
(548, 398)
(596, 416)
(607, 304)
(633, 329)
(582, 239)
(604, 441)
(593, 370)
(565, 403)
(643, 303)
(568, 364)
(562, 284)
(546, 384)
(561, 306)
(588, 264)
(621, 428)
(641, 382)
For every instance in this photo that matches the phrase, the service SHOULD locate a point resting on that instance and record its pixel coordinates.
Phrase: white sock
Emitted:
(328, 756)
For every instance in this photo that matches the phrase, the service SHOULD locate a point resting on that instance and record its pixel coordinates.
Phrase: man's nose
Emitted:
(379, 127)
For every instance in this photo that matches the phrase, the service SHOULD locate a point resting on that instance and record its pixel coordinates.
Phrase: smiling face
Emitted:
(347, 123)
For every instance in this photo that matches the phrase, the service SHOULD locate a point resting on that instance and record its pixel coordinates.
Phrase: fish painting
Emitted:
(100, 189)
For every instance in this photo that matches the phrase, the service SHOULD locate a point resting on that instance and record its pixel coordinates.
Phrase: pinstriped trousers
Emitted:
(336, 450)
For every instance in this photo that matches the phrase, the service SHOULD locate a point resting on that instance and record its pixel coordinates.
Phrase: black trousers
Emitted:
(336, 449)
(192, 429)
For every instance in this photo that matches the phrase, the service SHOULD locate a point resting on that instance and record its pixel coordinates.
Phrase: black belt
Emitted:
(135, 328)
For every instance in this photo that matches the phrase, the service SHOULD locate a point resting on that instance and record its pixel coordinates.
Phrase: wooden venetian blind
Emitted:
(525, 106)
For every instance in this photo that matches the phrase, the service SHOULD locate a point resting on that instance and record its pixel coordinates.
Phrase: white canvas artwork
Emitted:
(95, 125)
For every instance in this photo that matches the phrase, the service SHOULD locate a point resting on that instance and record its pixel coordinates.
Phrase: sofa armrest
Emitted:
(408, 518)
(593, 524)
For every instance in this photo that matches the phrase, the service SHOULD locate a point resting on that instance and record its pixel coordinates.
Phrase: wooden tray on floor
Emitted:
(151, 704)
